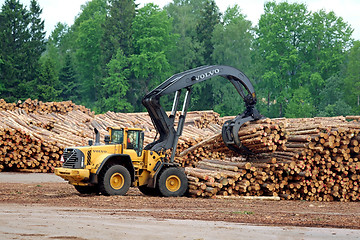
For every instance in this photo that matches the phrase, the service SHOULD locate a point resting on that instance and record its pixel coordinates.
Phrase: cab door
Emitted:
(116, 139)
(134, 146)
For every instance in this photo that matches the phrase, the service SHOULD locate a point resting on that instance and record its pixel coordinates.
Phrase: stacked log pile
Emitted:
(308, 159)
(33, 134)
(313, 159)
(34, 142)
(24, 152)
(30, 106)
(206, 119)
(223, 177)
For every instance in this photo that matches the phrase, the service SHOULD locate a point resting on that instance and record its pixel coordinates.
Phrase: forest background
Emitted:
(301, 63)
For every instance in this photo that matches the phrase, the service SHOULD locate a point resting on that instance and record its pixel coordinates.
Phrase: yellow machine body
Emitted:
(91, 159)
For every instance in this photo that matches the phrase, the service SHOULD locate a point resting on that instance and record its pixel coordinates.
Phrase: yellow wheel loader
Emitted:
(112, 168)
(123, 161)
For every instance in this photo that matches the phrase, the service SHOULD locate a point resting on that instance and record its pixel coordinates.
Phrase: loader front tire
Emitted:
(114, 180)
(173, 182)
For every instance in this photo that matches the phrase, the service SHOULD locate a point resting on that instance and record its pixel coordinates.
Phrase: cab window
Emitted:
(135, 141)
(117, 136)
(132, 141)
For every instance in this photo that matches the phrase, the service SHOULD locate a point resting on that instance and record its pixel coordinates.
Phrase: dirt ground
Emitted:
(19, 193)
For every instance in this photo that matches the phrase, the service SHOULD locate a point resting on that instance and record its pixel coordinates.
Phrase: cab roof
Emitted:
(126, 128)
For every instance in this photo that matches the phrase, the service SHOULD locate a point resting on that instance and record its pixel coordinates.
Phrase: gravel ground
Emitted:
(44, 222)
(45, 195)
(12, 177)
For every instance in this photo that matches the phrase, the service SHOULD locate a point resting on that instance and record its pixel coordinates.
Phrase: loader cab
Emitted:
(130, 138)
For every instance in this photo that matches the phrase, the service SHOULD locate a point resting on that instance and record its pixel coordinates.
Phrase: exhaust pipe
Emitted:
(97, 137)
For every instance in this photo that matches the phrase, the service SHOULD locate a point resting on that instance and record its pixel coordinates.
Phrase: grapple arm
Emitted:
(164, 124)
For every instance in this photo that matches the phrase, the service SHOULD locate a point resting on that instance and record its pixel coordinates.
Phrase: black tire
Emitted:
(173, 182)
(114, 180)
(87, 189)
(149, 191)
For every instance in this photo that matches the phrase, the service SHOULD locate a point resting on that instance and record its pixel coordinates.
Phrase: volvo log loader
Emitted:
(122, 161)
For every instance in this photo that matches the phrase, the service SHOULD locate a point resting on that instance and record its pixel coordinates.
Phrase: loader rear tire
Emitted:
(114, 180)
(173, 182)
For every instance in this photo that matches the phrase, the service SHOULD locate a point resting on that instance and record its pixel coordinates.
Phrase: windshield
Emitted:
(117, 136)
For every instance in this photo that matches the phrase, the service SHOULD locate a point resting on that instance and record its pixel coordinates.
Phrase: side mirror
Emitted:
(107, 139)
(91, 142)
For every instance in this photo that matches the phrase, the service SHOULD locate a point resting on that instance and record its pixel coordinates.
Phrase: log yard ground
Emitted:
(43, 206)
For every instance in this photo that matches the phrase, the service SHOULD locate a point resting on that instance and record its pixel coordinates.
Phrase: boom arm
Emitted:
(164, 124)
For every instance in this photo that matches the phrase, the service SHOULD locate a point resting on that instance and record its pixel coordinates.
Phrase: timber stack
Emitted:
(33, 134)
(315, 159)
(206, 119)
(34, 142)
(30, 106)
(24, 152)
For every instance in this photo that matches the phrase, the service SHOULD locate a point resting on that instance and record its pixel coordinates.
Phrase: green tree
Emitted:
(232, 41)
(60, 49)
(279, 41)
(300, 104)
(188, 51)
(152, 42)
(332, 98)
(352, 80)
(2, 87)
(298, 49)
(47, 83)
(14, 35)
(22, 41)
(88, 33)
(209, 18)
(37, 43)
(115, 87)
(68, 81)
(118, 28)
(58, 46)
(329, 37)
(339, 108)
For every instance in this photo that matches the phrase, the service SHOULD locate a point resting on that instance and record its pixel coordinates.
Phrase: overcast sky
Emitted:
(64, 11)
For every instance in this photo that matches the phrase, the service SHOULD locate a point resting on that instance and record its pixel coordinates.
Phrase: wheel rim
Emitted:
(173, 183)
(117, 181)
